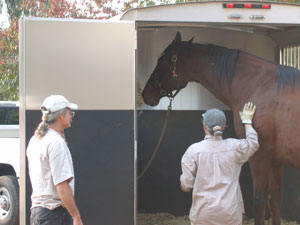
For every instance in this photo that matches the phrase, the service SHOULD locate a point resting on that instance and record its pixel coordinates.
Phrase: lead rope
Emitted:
(159, 140)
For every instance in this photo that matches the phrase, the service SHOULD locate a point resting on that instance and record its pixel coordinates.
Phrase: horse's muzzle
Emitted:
(149, 100)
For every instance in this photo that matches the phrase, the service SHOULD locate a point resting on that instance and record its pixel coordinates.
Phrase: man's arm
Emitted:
(248, 146)
(189, 169)
(65, 193)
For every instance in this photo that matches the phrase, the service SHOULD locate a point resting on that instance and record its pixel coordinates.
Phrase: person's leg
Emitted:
(33, 217)
(44, 216)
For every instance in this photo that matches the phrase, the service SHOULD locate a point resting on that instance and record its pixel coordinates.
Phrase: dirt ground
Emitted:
(168, 219)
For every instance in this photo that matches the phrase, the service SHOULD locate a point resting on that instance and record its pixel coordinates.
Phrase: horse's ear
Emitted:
(177, 39)
(191, 41)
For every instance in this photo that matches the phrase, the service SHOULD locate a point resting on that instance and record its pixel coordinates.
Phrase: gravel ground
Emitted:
(168, 219)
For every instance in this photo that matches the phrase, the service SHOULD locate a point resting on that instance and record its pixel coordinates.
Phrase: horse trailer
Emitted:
(103, 65)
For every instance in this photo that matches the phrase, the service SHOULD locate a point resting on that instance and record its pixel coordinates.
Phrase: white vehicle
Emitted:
(9, 163)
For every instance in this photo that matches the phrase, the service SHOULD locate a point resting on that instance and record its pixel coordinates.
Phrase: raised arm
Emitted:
(248, 146)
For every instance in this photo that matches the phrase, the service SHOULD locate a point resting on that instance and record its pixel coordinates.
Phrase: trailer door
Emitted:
(92, 64)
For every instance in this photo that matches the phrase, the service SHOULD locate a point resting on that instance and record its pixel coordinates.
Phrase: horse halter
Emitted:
(174, 74)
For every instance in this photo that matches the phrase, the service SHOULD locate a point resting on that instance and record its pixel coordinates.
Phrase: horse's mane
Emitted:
(288, 76)
(223, 61)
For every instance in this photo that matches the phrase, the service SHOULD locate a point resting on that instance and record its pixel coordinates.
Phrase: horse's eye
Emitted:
(174, 58)
(163, 92)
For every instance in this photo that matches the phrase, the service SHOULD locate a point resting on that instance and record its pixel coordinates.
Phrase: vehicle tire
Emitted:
(9, 200)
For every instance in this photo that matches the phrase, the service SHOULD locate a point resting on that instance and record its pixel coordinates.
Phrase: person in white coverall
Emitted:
(211, 169)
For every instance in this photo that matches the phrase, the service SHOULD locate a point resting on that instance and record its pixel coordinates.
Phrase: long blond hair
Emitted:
(47, 119)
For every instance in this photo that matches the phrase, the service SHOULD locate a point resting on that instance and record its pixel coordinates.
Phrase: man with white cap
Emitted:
(211, 169)
(51, 168)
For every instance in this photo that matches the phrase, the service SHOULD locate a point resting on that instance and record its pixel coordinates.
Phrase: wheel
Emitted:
(9, 200)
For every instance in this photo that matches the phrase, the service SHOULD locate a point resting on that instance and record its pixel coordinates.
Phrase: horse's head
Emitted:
(168, 73)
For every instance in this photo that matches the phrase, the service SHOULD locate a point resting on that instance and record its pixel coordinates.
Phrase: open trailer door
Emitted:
(91, 63)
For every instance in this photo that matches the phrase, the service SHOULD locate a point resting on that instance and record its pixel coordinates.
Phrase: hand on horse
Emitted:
(247, 113)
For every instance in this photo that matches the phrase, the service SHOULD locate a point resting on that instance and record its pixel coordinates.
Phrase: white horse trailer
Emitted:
(99, 64)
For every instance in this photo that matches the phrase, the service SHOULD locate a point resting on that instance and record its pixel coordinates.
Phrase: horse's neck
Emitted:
(201, 72)
(248, 76)
(222, 92)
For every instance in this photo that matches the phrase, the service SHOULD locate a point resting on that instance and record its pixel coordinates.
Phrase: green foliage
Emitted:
(1, 6)
(13, 8)
(144, 3)
(9, 70)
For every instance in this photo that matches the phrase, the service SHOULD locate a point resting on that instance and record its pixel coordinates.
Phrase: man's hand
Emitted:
(66, 196)
(77, 221)
(248, 113)
(184, 189)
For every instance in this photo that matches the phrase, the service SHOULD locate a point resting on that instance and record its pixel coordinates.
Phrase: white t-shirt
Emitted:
(212, 168)
(50, 163)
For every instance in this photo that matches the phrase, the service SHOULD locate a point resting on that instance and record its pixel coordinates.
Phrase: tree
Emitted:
(9, 63)
(1, 6)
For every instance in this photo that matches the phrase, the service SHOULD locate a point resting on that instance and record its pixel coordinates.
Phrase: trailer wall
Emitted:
(91, 66)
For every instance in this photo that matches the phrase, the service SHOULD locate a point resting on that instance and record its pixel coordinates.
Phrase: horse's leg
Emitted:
(275, 190)
(260, 177)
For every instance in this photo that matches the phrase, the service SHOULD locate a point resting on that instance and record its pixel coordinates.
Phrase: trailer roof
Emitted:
(281, 21)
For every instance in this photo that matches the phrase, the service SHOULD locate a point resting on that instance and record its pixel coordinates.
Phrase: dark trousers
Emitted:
(44, 216)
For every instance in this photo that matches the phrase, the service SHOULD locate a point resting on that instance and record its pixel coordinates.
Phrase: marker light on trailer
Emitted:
(246, 6)
(266, 6)
(229, 5)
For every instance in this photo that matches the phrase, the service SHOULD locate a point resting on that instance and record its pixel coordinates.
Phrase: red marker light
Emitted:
(265, 6)
(229, 5)
(246, 6)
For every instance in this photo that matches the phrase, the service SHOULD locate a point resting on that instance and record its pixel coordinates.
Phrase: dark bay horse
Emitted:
(236, 77)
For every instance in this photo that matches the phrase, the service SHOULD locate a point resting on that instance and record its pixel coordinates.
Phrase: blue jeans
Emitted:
(44, 216)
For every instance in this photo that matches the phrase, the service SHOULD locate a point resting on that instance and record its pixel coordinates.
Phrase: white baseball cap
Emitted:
(54, 103)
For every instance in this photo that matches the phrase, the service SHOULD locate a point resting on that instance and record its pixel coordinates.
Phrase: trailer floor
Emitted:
(169, 219)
